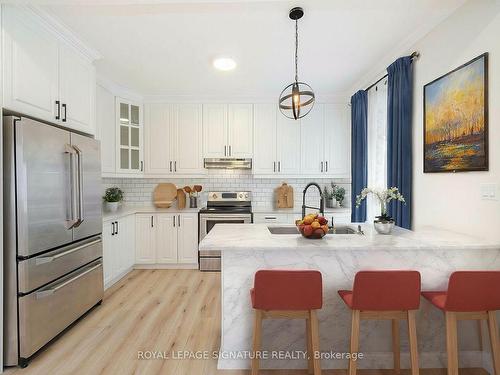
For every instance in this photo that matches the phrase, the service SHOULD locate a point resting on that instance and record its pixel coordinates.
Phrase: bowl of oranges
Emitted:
(313, 226)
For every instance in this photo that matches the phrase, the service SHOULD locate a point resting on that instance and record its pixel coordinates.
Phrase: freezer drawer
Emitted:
(38, 271)
(46, 312)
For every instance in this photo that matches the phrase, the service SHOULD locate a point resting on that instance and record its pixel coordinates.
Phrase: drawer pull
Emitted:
(43, 260)
(44, 293)
(270, 218)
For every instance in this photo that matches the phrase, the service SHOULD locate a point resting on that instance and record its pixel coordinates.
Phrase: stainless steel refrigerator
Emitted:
(52, 233)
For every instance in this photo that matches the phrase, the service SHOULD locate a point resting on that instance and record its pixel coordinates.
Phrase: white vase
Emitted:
(112, 206)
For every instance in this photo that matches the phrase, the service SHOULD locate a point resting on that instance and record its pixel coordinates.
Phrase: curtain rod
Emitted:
(413, 56)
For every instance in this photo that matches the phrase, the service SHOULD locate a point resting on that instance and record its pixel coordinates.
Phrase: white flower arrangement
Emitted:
(384, 196)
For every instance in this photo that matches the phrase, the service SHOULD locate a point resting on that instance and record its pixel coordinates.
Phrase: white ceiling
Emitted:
(166, 47)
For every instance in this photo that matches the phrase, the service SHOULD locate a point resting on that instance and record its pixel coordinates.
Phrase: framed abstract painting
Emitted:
(456, 119)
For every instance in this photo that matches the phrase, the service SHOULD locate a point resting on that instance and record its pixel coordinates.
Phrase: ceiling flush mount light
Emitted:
(297, 99)
(224, 63)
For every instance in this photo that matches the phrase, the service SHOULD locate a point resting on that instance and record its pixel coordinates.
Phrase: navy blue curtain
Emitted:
(359, 152)
(399, 137)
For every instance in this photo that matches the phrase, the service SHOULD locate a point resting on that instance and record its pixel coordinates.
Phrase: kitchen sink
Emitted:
(338, 229)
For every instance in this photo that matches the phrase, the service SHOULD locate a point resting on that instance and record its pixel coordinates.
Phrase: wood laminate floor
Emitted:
(153, 310)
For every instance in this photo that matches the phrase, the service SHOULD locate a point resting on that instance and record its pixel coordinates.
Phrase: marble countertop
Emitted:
(256, 237)
(131, 209)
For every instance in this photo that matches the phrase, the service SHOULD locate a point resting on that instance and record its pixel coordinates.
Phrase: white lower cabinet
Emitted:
(167, 238)
(118, 237)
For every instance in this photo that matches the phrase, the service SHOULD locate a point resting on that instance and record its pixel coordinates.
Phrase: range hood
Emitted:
(227, 163)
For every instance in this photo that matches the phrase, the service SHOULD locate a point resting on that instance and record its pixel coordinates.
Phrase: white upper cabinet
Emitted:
(77, 90)
(215, 131)
(337, 141)
(188, 139)
(227, 130)
(30, 66)
(158, 130)
(265, 159)
(43, 76)
(129, 150)
(105, 128)
(240, 130)
(288, 145)
(174, 139)
(312, 142)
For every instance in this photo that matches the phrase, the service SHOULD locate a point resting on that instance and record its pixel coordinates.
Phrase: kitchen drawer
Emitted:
(46, 312)
(42, 269)
(271, 219)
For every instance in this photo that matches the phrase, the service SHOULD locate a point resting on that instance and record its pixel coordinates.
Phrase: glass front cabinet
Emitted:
(129, 137)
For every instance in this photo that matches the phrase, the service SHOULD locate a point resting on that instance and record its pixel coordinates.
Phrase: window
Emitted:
(377, 145)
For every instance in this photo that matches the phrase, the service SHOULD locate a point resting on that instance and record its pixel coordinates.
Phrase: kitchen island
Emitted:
(250, 247)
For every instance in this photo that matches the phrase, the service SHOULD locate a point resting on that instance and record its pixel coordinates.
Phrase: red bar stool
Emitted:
(288, 295)
(472, 295)
(393, 295)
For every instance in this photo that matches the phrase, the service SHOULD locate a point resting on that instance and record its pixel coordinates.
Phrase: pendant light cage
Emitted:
(297, 99)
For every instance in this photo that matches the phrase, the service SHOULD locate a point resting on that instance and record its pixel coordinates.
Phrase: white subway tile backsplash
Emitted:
(141, 191)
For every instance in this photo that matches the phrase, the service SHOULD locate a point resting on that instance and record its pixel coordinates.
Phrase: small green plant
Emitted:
(335, 192)
(113, 194)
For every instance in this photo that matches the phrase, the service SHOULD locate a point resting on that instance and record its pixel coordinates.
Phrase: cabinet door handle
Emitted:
(321, 167)
(142, 166)
(274, 166)
(116, 227)
(171, 166)
(113, 228)
(179, 220)
(175, 166)
(174, 221)
(65, 107)
(225, 150)
(230, 153)
(58, 104)
(279, 166)
(152, 221)
(326, 166)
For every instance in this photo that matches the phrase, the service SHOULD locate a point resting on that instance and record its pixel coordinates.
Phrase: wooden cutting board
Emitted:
(181, 199)
(164, 194)
(284, 196)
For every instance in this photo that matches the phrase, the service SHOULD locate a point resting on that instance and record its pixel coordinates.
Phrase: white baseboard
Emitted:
(117, 278)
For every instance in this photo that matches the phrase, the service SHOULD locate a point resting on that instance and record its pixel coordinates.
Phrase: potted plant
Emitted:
(113, 196)
(339, 193)
(193, 195)
(334, 196)
(383, 223)
(329, 197)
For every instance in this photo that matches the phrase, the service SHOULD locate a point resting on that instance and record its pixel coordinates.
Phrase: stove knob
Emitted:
(246, 195)
(240, 195)
(214, 196)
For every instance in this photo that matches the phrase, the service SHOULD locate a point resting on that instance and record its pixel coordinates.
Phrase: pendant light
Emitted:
(297, 99)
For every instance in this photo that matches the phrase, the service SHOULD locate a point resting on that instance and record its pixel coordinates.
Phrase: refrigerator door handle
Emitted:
(80, 186)
(73, 220)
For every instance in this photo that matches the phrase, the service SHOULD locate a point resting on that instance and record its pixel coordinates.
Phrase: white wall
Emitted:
(448, 200)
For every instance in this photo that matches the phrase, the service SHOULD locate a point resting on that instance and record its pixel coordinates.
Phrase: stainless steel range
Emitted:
(222, 208)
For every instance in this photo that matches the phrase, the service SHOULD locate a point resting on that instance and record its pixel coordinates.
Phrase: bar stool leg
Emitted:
(354, 340)
(495, 344)
(315, 341)
(257, 332)
(310, 367)
(396, 345)
(452, 343)
(412, 335)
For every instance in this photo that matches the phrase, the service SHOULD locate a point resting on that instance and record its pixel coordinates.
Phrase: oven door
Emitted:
(208, 221)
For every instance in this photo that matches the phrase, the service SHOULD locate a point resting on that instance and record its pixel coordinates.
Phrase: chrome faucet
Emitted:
(321, 202)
